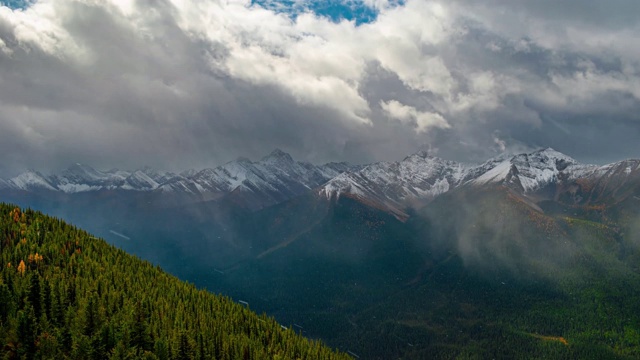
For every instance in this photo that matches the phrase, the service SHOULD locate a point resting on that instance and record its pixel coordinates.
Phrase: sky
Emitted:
(178, 84)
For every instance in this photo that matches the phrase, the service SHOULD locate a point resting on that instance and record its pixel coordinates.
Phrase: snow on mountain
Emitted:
(29, 181)
(139, 180)
(608, 183)
(393, 185)
(188, 173)
(527, 172)
(333, 169)
(275, 178)
(83, 178)
(146, 179)
(531, 172)
(180, 184)
(80, 178)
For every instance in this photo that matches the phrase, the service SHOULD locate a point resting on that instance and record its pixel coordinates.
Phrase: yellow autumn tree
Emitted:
(16, 215)
(22, 267)
(34, 258)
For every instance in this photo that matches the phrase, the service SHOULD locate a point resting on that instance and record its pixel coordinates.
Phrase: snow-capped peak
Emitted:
(140, 180)
(420, 177)
(82, 172)
(527, 171)
(413, 181)
(277, 156)
(275, 178)
(80, 178)
(277, 153)
(393, 185)
(30, 180)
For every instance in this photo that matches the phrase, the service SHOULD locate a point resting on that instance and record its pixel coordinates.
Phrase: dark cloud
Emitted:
(615, 14)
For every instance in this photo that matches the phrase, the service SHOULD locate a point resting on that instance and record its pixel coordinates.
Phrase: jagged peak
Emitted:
(532, 170)
(30, 171)
(79, 169)
(504, 156)
(424, 154)
(544, 158)
(278, 155)
(278, 152)
(542, 154)
(552, 153)
(30, 178)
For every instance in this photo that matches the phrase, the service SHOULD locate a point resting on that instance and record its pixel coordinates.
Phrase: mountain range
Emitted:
(546, 173)
(273, 179)
(393, 187)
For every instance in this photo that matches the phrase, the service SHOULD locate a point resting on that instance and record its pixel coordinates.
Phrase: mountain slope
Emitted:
(478, 273)
(525, 172)
(64, 293)
(30, 181)
(393, 186)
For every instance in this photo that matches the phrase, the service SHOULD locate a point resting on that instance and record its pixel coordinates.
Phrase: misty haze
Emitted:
(363, 179)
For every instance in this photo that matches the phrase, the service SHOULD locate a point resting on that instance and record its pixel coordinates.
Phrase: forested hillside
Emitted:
(66, 294)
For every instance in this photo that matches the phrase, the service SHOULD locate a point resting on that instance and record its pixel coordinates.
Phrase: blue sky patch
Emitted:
(16, 4)
(336, 10)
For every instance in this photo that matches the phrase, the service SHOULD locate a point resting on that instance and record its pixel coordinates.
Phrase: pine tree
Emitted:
(184, 348)
(140, 336)
(34, 294)
(26, 332)
(6, 303)
(162, 350)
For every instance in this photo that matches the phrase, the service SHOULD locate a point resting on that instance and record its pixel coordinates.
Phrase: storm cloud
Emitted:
(177, 84)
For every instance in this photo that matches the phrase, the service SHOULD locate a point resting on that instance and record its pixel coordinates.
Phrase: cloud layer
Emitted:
(192, 83)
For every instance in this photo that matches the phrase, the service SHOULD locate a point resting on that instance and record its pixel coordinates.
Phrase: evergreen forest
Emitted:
(65, 294)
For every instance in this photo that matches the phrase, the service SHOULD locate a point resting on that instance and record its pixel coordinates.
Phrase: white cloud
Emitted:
(376, 4)
(317, 62)
(501, 144)
(41, 25)
(422, 120)
(320, 62)
(4, 49)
